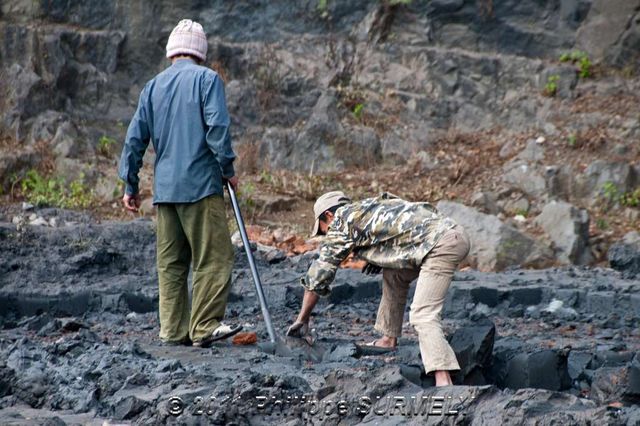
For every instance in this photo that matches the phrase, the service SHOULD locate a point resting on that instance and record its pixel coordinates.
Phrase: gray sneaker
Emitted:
(221, 332)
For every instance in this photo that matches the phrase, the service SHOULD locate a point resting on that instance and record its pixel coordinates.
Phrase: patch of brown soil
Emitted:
(245, 338)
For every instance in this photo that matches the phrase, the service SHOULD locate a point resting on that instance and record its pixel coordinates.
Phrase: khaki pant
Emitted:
(434, 278)
(193, 233)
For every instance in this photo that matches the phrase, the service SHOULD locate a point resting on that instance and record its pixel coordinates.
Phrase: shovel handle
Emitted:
(252, 264)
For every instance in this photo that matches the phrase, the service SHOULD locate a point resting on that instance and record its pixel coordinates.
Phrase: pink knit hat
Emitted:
(187, 38)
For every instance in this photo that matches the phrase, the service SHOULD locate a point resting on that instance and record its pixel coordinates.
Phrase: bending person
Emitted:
(407, 241)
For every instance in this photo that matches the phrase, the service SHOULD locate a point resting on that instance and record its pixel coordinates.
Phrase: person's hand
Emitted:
(233, 181)
(131, 202)
(371, 269)
(300, 330)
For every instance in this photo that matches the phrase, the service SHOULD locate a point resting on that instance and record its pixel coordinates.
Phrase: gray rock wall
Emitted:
(433, 65)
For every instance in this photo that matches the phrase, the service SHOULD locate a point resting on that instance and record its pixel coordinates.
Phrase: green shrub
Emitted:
(631, 199)
(323, 8)
(52, 192)
(358, 110)
(551, 87)
(610, 191)
(602, 224)
(41, 191)
(266, 177)
(581, 59)
(522, 212)
(613, 195)
(79, 195)
(246, 194)
(106, 146)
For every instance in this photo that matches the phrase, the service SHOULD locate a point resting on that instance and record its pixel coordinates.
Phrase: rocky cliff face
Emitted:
(325, 86)
(72, 71)
(328, 86)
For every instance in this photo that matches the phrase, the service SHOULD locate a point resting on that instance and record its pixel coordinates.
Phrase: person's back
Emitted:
(389, 231)
(184, 110)
(180, 104)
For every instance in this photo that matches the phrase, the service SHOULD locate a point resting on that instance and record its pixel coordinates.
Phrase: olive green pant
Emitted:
(193, 233)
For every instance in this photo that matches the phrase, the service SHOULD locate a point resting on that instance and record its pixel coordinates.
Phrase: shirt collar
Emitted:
(183, 61)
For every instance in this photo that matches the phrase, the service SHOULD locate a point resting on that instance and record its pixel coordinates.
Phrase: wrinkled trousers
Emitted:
(193, 233)
(434, 278)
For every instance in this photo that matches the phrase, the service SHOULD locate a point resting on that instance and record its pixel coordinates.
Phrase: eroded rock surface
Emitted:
(555, 345)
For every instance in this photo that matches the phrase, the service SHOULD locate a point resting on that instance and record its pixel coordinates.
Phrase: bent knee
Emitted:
(430, 319)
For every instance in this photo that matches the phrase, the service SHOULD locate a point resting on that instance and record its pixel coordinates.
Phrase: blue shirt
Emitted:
(183, 112)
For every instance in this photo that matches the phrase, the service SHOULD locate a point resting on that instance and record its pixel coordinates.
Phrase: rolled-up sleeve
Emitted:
(216, 117)
(335, 248)
(135, 145)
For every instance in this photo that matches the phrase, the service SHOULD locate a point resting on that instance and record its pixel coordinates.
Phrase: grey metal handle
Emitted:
(252, 264)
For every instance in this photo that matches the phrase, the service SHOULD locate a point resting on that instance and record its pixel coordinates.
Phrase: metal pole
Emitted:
(252, 265)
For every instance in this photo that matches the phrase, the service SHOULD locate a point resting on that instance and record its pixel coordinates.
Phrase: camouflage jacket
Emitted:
(385, 231)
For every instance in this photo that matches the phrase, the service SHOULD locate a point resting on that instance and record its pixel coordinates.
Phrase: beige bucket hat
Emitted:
(324, 203)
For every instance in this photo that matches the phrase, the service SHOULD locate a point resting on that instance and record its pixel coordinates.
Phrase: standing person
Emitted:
(183, 112)
(406, 241)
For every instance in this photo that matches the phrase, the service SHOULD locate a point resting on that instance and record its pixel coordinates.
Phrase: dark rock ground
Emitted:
(78, 344)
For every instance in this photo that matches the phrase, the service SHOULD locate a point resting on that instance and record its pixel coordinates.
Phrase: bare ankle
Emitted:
(442, 378)
(388, 342)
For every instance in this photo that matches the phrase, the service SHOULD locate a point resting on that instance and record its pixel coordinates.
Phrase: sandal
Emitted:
(371, 349)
